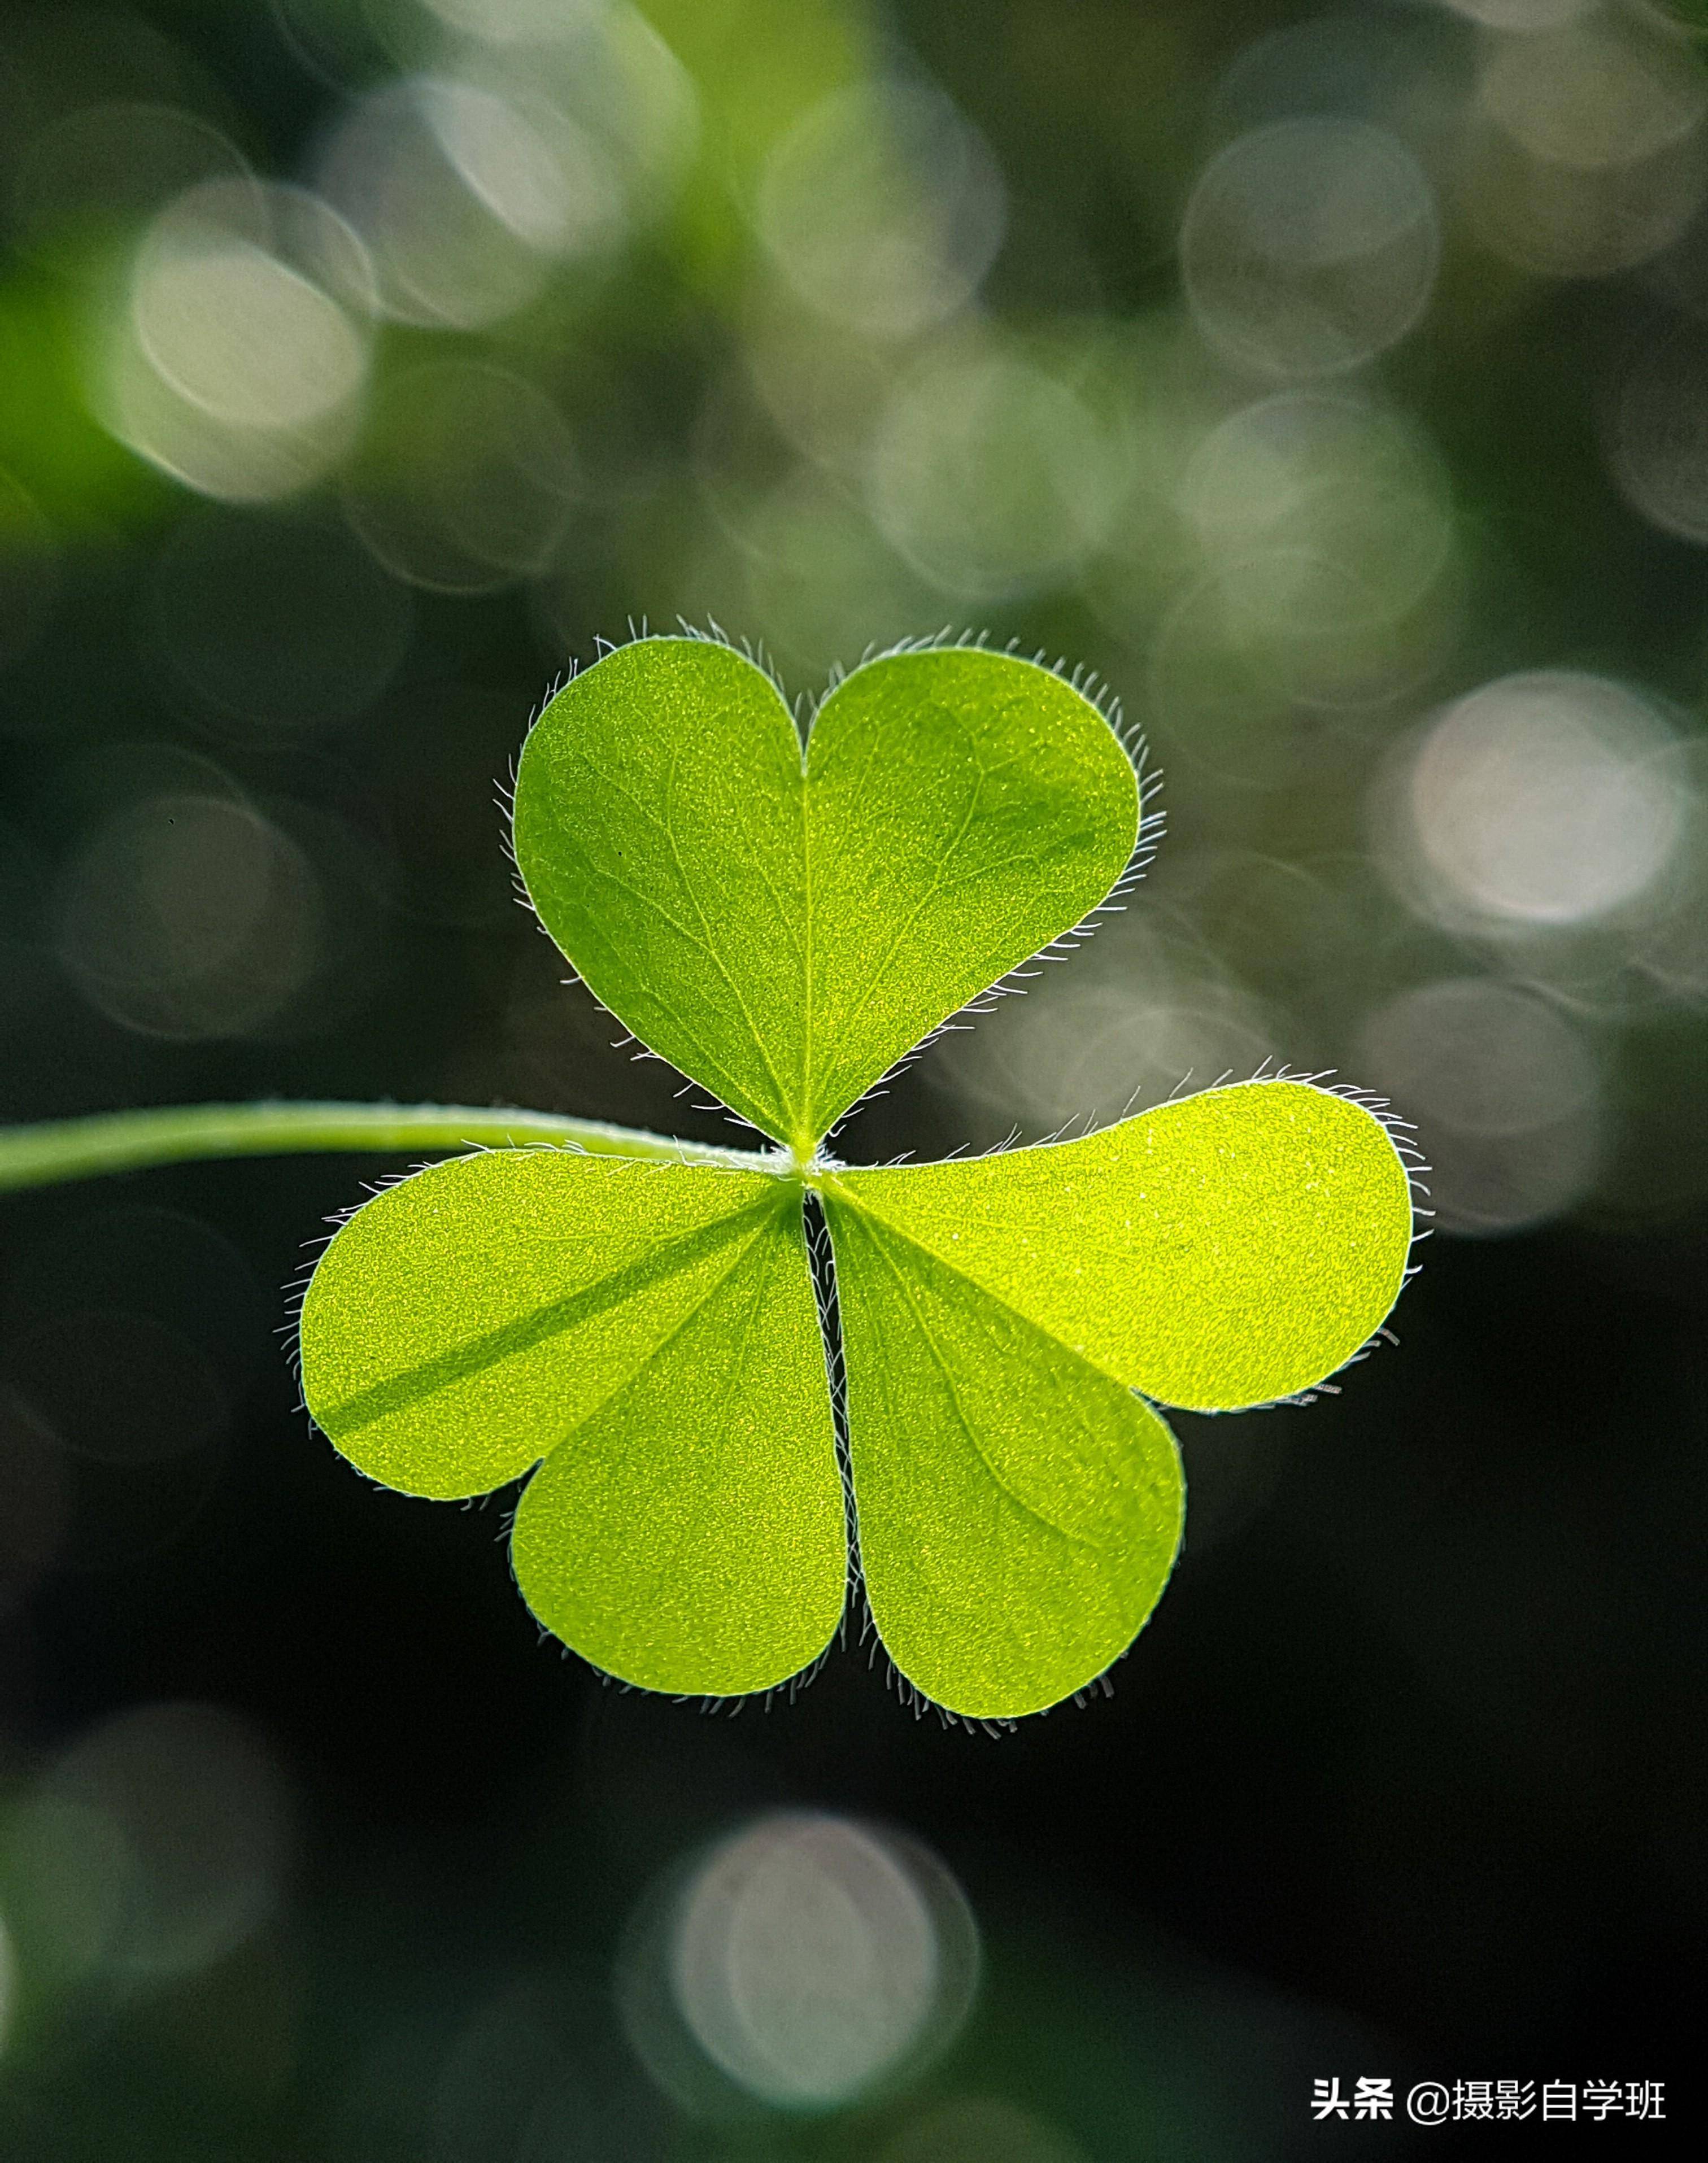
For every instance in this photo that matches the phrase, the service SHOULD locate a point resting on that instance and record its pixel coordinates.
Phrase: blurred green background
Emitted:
(1334, 385)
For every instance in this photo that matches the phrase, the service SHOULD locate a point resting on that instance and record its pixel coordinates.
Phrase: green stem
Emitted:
(120, 1141)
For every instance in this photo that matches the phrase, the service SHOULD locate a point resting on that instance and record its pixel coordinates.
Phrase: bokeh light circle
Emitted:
(989, 476)
(1277, 664)
(1589, 153)
(467, 194)
(1595, 95)
(66, 1873)
(806, 1961)
(341, 45)
(1080, 1050)
(202, 1812)
(534, 2072)
(802, 1964)
(1309, 246)
(1381, 64)
(1482, 1056)
(1327, 480)
(467, 478)
(883, 207)
(1505, 1093)
(1670, 946)
(189, 916)
(1542, 801)
(240, 362)
(100, 167)
(245, 339)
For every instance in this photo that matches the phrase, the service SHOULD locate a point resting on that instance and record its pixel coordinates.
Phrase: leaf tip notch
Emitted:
(785, 925)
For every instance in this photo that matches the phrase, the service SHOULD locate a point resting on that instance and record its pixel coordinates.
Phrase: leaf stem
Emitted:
(121, 1141)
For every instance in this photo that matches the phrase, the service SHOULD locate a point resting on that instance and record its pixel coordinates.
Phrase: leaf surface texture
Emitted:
(651, 1331)
(783, 931)
(1019, 1510)
(1224, 1251)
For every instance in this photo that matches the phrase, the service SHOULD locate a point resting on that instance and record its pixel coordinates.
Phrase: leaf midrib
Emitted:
(968, 1426)
(863, 1208)
(756, 1036)
(475, 1355)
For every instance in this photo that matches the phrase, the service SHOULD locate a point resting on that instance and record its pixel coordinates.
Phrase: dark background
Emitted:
(1403, 1778)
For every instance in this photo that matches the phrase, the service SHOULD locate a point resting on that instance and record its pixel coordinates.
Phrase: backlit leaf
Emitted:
(1224, 1251)
(1019, 1510)
(651, 1330)
(783, 930)
(644, 1338)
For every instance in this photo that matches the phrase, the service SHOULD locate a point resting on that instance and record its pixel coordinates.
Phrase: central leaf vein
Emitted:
(475, 1355)
(967, 1427)
(718, 962)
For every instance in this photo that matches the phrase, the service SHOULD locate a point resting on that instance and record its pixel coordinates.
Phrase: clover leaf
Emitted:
(645, 1338)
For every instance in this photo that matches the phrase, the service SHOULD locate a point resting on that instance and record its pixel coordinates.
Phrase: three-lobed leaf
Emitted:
(644, 1338)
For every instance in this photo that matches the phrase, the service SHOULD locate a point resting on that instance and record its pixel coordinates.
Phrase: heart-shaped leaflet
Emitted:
(785, 925)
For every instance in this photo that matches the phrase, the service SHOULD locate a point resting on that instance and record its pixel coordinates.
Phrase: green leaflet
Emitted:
(650, 1330)
(1219, 1252)
(785, 935)
(1019, 1507)
(1019, 1512)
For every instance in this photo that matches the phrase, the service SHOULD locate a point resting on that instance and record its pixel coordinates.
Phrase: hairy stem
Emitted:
(120, 1141)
